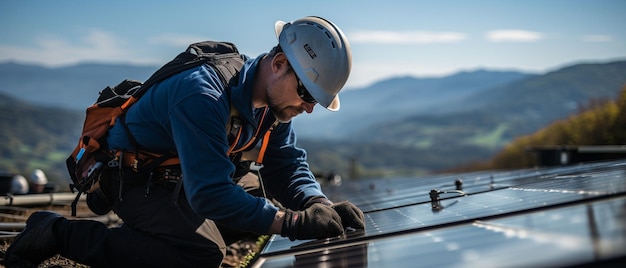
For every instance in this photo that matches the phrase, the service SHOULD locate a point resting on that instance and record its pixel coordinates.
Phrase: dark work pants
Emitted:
(156, 233)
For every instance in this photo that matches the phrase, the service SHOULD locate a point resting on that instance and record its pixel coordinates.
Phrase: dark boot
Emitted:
(35, 243)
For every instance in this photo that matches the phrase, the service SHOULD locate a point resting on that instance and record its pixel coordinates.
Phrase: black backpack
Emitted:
(89, 157)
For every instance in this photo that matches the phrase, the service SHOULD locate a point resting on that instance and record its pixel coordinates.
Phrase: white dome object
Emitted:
(19, 185)
(38, 177)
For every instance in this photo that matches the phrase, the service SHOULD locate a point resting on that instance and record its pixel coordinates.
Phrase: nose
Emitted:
(308, 107)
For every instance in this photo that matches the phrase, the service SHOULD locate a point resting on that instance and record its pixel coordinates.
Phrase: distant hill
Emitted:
(482, 123)
(396, 98)
(516, 108)
(34, 136)
(73, 87)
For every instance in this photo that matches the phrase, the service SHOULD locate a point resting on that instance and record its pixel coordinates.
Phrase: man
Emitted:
(188, 113)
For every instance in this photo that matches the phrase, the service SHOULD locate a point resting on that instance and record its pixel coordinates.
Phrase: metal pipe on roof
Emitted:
(38, 199)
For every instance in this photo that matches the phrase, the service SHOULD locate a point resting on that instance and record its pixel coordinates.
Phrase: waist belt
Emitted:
(146, 160)
(167, 175)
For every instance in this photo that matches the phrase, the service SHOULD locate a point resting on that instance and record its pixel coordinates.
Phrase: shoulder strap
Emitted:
(266, 140)
(223, 56)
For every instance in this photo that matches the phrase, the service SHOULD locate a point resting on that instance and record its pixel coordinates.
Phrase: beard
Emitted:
(282, 115)
(281, 108)
(285, 114)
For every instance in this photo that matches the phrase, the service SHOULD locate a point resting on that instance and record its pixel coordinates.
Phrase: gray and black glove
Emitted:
(351, 215)
(316, 221)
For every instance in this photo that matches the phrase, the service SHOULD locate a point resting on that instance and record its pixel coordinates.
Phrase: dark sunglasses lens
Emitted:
(304, 94)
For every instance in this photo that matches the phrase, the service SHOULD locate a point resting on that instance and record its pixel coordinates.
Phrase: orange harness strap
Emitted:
(130, 159)
(266, 141)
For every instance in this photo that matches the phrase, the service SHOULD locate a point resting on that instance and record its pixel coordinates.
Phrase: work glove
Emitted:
(351, 215)
(316, 221)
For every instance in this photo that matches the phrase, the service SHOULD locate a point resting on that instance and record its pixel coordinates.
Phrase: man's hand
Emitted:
(351, 216)
(316, 221)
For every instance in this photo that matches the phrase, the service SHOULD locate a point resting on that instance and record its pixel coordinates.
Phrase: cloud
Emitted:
(407, 37)
(599, 38)
(96, 45)
(175, 40)
(513, 36)
(93, 46)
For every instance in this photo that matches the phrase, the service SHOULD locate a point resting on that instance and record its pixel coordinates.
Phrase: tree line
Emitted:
(600, 122)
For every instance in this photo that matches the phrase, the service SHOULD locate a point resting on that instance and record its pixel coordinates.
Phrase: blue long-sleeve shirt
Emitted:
(188, 114)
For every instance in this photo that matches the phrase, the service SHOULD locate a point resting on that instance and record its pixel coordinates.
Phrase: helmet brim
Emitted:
(278, 28)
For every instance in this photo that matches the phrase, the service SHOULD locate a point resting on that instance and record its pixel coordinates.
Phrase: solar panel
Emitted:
(372, 195)
(575, 213)
(555, 237)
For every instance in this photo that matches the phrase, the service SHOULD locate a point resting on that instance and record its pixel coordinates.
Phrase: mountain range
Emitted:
(396, 98)
(72, 87)
(505, 95)
(401, 123)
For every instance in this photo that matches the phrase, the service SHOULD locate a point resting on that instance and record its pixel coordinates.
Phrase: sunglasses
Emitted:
(303, 93)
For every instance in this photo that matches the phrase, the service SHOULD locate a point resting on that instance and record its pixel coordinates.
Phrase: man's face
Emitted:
(288, 98)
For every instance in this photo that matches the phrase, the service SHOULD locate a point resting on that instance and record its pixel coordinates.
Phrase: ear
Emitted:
(280, 63)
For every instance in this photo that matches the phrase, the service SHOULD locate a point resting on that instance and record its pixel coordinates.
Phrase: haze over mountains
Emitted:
(506, 95)
(74, 87)
(399, 123)
(396, 98)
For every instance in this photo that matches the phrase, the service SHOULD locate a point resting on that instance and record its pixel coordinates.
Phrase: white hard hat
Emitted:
(319, 53)
(19, 185)
(38, 177)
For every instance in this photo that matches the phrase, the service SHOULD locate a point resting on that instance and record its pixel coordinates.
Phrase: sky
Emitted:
(390, 38)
